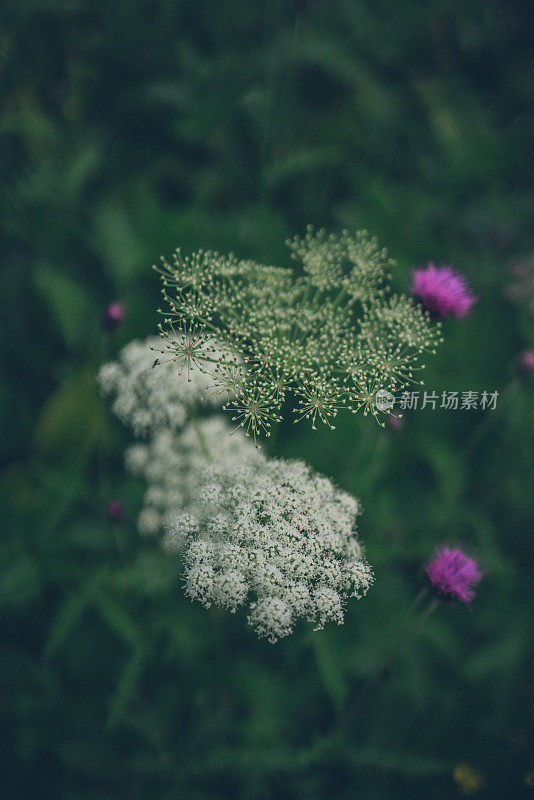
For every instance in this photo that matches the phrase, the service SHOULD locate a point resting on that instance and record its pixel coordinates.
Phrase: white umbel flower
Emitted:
(149, 391)
(170, 463)
(275, 534)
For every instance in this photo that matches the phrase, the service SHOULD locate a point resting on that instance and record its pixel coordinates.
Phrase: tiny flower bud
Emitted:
(394, 423)
(467, 778)
(113, 316)
(115, 511)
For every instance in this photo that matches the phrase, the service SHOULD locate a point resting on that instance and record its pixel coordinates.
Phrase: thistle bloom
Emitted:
(442, 291)
(275, 534)
(453, 574)
(113, 316)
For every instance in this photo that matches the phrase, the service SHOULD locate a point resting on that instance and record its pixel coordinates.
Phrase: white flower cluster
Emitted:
(150, 395)
(268, 532)
(276, 532)
(171, 462)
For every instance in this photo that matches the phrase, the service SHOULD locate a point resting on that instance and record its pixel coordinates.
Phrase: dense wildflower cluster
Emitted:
(327, 338)
(148, 394)
(158, 404)
(276, 535)
(170, 463)
(267, 532)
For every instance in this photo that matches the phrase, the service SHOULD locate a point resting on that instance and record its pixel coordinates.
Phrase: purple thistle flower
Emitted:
(115, 511)
(113, 316)
(526, 360)
(453, 574)
(443, 291)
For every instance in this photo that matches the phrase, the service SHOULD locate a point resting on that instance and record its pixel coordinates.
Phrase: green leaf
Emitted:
(329, 667)
(71, 419)
(127, 686)
(117, 618)
(125, 254)
(403, 763)
(68, 302)
(19, 583)
(70, 615)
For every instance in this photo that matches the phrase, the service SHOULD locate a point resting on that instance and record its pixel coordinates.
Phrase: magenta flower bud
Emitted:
(526, 360)
(453, 575)
(115, 511)
(442, 291)
(394, 423)
(113, 316)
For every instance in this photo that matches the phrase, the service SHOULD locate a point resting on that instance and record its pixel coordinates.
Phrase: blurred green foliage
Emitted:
(128, 128)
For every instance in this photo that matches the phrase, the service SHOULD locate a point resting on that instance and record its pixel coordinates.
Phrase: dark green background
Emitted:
(129, 128)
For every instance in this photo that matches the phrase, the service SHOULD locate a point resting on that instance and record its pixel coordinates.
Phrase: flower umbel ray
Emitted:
(319, 400)
(363, 395)
(253, 411)
(189, 346)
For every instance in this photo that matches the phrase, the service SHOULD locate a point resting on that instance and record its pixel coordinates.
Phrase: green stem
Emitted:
(271, 441)
(279, 112)
(360, 447)
(316, 296)
(418, 598)
(341, 296)
(102, 461)
(490, 418)
(199, 432)
(273, 17)
(384, 674)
